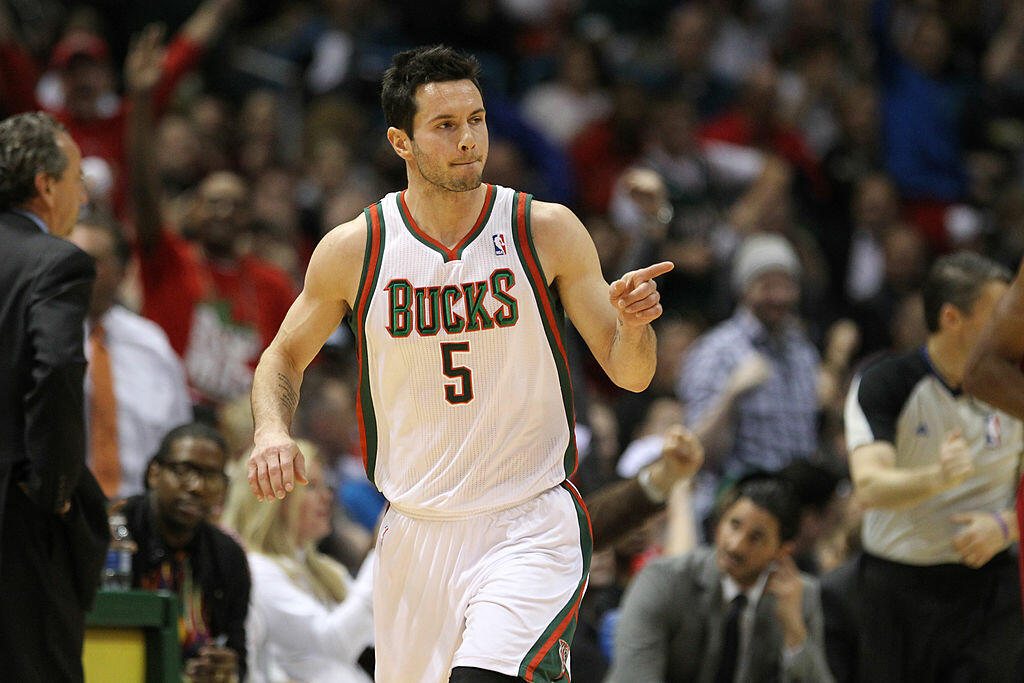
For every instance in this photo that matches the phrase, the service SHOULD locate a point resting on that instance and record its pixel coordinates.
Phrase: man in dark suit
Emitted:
(736, 612)
(53, 527)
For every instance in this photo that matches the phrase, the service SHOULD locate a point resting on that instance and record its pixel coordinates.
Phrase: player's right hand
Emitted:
(635, 296)
(955, 459)
(275, 464)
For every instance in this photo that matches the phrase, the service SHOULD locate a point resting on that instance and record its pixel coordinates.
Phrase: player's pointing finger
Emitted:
(653, 271)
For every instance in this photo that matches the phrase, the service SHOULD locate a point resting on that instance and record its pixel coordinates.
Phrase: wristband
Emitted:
(1002, 525)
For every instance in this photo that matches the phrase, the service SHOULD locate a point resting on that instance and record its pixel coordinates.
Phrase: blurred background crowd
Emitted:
(800, 160)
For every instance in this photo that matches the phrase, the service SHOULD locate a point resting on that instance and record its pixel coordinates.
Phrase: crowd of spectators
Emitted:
(803, 163)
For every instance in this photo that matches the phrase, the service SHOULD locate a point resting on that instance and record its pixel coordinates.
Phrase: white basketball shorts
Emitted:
(498, 591)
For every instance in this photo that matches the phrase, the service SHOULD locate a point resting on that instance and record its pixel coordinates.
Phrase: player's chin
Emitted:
(465, 184)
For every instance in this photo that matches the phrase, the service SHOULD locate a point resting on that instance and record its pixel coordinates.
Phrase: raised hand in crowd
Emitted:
(842, 340)
(785, 584)
(681, 458)
(143, 65)
(647, 189)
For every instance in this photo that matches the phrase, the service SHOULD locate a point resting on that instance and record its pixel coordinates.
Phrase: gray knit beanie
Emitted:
(762, 253)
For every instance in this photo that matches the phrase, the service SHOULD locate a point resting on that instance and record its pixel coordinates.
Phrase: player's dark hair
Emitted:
(957, 279)
(772, 494)
(413, 68)
(28, 146)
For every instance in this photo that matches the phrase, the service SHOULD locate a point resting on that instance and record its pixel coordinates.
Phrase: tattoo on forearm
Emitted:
(289, 397)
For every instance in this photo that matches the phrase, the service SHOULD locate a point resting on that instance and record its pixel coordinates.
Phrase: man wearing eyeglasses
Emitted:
(179, 550)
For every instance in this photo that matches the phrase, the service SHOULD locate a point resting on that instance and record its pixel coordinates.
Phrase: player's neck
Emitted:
(442, 214)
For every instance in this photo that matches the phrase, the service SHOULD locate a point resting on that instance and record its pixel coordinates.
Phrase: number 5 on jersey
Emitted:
(463, 391)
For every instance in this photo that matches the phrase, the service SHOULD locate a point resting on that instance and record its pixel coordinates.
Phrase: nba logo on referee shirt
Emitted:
(993, 431)
(499, 244)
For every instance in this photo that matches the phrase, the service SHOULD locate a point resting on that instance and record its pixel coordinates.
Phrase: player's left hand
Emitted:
(635, 296)
(980, 539)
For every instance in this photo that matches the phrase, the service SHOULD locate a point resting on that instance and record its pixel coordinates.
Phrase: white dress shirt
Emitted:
(149, 385)
(294, 636)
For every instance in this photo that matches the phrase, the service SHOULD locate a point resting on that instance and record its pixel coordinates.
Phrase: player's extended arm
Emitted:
(331, 281)
(880, 484)
(613, 319)
(993, 371)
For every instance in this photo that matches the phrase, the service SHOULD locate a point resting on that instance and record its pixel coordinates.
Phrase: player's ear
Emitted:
(400, 142)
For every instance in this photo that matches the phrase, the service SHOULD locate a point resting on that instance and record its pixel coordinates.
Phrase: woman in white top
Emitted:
(308, 619)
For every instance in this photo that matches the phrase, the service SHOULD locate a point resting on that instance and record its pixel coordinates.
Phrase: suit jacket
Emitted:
(46, 283)
(671, 622)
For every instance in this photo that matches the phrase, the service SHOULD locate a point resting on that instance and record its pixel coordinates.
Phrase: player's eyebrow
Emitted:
(478, 110)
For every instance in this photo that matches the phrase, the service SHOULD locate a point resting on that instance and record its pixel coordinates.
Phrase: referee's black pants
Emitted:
(945, 622)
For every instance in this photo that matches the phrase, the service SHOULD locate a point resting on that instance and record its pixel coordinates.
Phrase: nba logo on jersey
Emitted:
(499, 244)
(993, 432)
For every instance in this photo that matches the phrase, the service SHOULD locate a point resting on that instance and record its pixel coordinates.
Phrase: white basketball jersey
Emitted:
(464, 401)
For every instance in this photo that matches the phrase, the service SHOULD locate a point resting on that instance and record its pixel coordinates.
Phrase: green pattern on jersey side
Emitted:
(554, 325)
(543, 662)
(357, 322)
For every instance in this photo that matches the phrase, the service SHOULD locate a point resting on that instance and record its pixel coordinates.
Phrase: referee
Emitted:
(936, 470)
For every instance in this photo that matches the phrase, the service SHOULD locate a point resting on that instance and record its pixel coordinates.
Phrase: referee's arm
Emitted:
(871, 413)
(880, 484)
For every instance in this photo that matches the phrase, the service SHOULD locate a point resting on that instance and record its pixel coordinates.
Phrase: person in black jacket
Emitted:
(53, 525)
(180, 551)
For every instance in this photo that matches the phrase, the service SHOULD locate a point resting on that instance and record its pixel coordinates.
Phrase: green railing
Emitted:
(156, 615)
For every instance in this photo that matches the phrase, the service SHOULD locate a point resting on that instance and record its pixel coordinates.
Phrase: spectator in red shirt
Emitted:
(754, 122)
(219, 305)
(90, 111)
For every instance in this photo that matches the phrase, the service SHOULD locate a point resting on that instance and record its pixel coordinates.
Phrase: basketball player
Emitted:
(454, 290)
(994, 370)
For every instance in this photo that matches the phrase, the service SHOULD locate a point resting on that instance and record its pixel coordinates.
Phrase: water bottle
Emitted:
(117, 570)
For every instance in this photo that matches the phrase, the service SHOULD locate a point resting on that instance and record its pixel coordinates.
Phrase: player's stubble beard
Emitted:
(434, 173)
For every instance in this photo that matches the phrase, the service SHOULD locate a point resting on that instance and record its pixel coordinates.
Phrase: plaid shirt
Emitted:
(777, 422)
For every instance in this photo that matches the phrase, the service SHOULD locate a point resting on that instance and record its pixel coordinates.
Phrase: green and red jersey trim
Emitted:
(374, 254)
(454, 253)
(551, 317)
(543, 659)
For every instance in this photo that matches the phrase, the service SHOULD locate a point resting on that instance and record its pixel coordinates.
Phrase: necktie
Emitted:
(731, 641)
(105, 463)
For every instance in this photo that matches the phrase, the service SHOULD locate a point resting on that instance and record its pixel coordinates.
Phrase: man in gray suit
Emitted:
(736, 612)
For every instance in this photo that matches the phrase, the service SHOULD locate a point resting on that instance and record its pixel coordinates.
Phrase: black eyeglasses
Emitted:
(190, 474)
